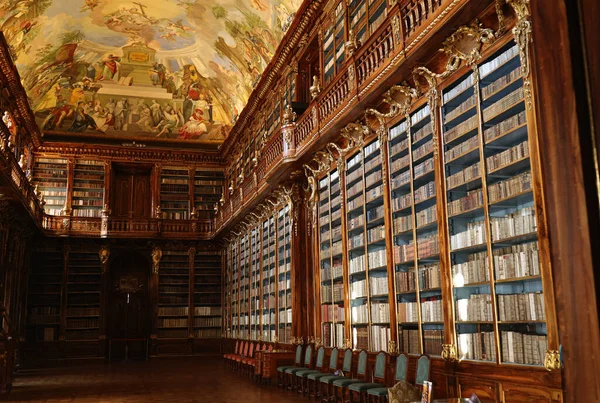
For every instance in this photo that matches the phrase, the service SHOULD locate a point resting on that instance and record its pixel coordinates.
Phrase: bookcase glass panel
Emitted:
(255, 285)
(517, 281)
(175, 193)
(207, 295)
(334, 41)
(44, 293)
(50, 177)
(173, 294)
(88, 188)
(366, 16)
(331, 266)
(284, 274)
(269, 282)
(83, 295)
(244, 324)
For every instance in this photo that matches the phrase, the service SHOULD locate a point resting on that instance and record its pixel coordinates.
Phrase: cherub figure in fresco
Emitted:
(89, 5)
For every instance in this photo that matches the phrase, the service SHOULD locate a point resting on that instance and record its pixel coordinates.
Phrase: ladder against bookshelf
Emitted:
(83, 295)
(284, 274)
(269, 283)
(175, 193)
(207, 295)
(44, 296)
(208, 188)
(331, 265)
(173, 294)
(50, 175)
(88, 188)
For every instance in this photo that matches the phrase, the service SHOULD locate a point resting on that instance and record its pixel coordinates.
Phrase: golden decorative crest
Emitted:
(552, 360)
(156, 256)
(352, 44)
(315, 88)
(465, 43)
(392, 347)
(449, 352)
(400, 97)
(522, 33)
(289, 116)
(355, 133)
(104, 254)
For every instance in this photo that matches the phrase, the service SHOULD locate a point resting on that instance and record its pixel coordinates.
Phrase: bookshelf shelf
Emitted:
(173, 296)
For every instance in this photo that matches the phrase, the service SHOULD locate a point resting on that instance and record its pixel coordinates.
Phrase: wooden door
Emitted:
(131, 193)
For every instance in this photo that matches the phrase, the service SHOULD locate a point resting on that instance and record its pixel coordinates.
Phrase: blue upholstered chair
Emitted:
(380, 394)
(291, 371)
(361, 388)
(361, 375)
(302, 375)
(327, 380)
(314, 378)
(423, 367)
(281, 370)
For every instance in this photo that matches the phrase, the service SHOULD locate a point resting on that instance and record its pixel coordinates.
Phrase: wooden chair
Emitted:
(290, 373)
(281, 370)
(361, 375)
(361, 388)
(380, 394)
(239, 358)
(314, 378)
(423, 369)
(302, 375)
(327, 380)
(245, 363)
(230, 356)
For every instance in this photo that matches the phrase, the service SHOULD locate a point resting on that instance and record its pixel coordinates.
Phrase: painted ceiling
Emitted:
(170, 69)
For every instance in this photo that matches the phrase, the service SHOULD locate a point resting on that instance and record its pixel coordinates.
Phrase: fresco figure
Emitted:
(195, 127)
(110, 68)
(120, 113)
(169, 121)
(82, 120)
(57, 114)
(157, 74)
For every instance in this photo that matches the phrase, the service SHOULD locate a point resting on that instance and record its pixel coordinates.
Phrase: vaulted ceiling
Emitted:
(178, 70)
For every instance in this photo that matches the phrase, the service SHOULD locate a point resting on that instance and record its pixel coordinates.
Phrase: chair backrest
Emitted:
(380, 366)
(251, 350)
(298, 359)
(308, 355)
(270, 347)
(401, 366)
(362, 363)
(246, 347)
(347, 366)
(422, 370)
(237, 347)
(320, 357)
(333, 359)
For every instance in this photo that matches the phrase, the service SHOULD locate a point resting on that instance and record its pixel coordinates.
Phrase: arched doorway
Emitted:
(129, 307)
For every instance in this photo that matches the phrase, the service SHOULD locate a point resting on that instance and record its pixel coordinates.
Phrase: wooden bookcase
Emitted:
(334, 42)
(173, 295)
(88, 188)
(255, 284)
(50, 175)
(207, 314)
(269, 283)
(175, 193)
(84, 287)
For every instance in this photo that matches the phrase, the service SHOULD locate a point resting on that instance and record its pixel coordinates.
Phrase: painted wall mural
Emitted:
(173, 69)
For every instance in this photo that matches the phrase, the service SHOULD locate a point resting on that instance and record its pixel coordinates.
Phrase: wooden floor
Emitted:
(173, 380)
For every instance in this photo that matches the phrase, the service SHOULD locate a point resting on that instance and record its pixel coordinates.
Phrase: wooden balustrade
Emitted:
(375, 54)
(305, 126)
(248, 188)
(415, 12)
(335, 95)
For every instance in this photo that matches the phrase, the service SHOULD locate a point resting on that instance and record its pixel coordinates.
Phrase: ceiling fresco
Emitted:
(170, 69)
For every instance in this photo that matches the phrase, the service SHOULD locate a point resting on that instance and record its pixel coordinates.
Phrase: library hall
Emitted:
(335, 201)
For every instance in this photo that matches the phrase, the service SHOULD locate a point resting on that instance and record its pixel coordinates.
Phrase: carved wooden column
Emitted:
(156, 255)
(104, 255)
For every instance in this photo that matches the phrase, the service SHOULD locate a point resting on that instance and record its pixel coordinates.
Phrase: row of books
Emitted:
(375, 213)
(360, 337)
(358, 289)
(357, 265)
(458, 88)
(476, 308)
(429, 276)
(507, 157)
(461, 129)
(377, 258)
(333, 334)
(489, 67)
(405, 281)
(477, 346)
(510, 187)
(460, 109)
(378, 285)
(502, 82)
(170, 288)
(40, 319)
(422, 133)
(332, 313)
(175, 215)
(432, 341)
(82, 323)
(522, 348)
(520, 222)
(517, 261)
(207, 322)
(402, 224)
(407, 312)
(505, 126)
(374, 194)
(521, 307)
(374, 234)
(423, 168)
(78, 193)
(400, 179)
(468, 145)
(420, 115)
(172, 322)
(207, 333)
(426, 216)
(409, 341)
(380, 338)
(87, 203)
(400, 163)
(285, 316)
(402, 202)
(474, 235)
(356, 222)
(424, 192)
(503, 104)
(423, 150)
(474, 270)
(83, 311)
(91, 334)
(463, 176)
(380, 312)
(86, 177)
(172, 333)
(207, 310)
(431, 310)
(472, 200)
(398, 147)
(375, 176)
(332, 293)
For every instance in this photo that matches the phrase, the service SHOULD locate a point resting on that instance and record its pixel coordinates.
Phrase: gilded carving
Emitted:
(552, 360)
(397, 33)
(501, 23)
(289, 116)
(104, 254)
(315, 88)
(323, 161)
(352, 44)
(351, 77)
(355, 133)
(465, 43)
(156, 256)
(392, 347)
(400, 98)
(449, 352)
(522, 33)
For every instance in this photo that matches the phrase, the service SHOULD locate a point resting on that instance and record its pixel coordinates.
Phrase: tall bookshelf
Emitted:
(235, 290)
(88, 188)
(269, 282)
(208, 187)
(334, 43)
(173, 294)
(245, 286)
(284, 274)
(330, 257)
(496, 276)
(228, 275)
(44, 295)
(365, 16)
(207, 313)
(255, 285)
(50, 175)
(83, 295)
(175, 193)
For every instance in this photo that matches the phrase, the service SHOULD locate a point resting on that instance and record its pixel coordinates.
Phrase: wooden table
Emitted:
(270, 360)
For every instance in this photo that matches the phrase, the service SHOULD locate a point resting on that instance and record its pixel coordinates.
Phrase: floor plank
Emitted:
(180, 380)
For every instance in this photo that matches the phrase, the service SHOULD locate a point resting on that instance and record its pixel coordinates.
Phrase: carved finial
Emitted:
(194, 213)
(352, 44)
(156, 256)
(106, 211)
(552, 360)
(22, 161)
(289, 116)
(315, 88)
(449, 352)
(157, 212)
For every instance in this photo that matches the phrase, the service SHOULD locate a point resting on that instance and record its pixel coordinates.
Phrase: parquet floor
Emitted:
(173, 380)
